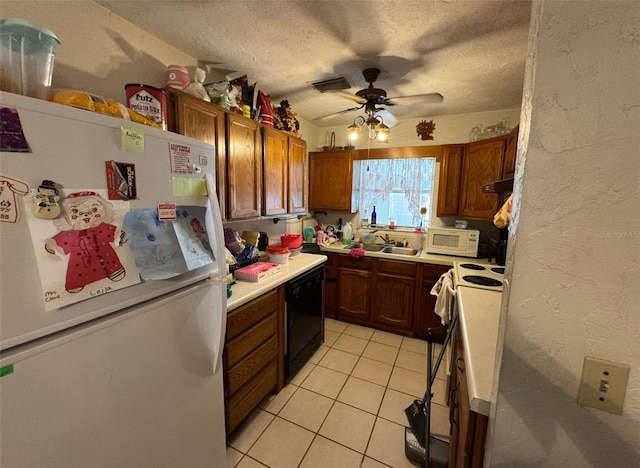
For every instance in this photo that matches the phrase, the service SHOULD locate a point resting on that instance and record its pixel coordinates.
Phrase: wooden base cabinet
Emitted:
(468, 428)
(393, 294)
(354, 287)
(390, 295)
(253, 355)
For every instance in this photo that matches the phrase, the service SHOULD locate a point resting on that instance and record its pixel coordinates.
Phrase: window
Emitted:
(398, 188)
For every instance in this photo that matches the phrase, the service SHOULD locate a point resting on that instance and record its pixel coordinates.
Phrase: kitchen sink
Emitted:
(383, 249)
(366, 247)
(399, 251)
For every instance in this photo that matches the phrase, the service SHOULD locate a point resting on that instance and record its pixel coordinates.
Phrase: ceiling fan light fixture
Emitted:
(382, 133)
(353, 131)
(375, 125)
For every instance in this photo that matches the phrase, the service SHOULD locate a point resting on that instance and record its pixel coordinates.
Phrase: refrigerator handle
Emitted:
(214, 226)
(222, 329)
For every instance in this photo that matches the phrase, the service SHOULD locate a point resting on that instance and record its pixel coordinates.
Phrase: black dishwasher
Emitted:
(303, 318)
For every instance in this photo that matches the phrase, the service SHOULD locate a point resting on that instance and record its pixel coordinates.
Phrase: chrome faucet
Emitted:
(385, 239)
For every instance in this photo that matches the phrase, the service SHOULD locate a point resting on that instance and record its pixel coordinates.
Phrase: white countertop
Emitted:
(434, 259)
(245, 291)
(479, 318)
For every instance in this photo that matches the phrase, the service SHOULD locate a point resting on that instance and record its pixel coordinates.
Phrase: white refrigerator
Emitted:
(121, 369)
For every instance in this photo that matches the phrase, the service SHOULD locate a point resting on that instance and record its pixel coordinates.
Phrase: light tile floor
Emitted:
(345, 407)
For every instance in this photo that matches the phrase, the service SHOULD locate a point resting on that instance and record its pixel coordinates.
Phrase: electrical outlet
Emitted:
(603, 384)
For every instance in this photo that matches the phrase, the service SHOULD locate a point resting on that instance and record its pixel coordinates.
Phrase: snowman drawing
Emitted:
(87, 238)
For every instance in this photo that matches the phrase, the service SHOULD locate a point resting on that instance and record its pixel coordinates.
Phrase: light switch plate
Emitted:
(603, 384)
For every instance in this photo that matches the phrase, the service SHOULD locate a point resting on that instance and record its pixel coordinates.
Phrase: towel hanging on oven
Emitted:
(444, 291)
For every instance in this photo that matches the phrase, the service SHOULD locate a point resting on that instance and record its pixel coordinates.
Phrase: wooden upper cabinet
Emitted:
(510, 155)
(195, 118)
(330, 181)
(275, 171)
(482, 165)
(297, 175)
(244, 167)
(450, 179)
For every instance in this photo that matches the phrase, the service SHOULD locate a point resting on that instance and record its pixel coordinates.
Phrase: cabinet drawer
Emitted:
(349, 261)
(250, 395)
(396, 266)
(246, 316)
(239, 347)
(247, 367)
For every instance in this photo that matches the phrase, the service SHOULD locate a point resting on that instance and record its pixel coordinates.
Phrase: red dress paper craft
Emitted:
(89, 241)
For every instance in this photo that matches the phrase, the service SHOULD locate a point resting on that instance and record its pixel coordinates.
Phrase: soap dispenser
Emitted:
(347, 233)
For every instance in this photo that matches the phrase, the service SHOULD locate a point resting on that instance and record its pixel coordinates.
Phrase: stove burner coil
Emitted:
(499, 270)
(482, 280)
(471, 266)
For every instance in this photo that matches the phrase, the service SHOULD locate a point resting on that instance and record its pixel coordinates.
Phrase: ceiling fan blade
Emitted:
(351, 97)
(388, 118)
(431, 98)
(328, 116)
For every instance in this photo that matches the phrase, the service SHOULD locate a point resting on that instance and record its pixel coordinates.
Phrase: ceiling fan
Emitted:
(371, 97)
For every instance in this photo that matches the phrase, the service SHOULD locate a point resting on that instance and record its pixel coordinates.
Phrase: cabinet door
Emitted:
(425, 317)
(275, 171)
(482, 165)
(330, 289)
(330, 179)
(510, 154)
(392, 302)
(297, 175)
(449, 180)
(203, 121)
(353, 294)
(244, 167)
(393, 295)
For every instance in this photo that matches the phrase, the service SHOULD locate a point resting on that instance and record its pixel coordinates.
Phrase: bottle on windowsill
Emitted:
(374, 215)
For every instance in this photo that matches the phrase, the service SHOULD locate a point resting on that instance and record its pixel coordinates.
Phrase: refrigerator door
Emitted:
(71, 146)
(136, 388)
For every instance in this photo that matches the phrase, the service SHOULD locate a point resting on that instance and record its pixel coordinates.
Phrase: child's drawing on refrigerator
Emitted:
(87, 238)
(88, 255)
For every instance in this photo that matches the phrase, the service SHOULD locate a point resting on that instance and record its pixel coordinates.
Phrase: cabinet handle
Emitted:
(458, 365)
(454, 398)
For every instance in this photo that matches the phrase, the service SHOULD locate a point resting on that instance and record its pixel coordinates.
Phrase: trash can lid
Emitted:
(21, 27)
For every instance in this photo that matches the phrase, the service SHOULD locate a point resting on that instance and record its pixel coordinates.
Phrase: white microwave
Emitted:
(450, 241)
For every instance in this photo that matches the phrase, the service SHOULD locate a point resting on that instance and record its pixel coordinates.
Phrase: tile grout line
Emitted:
(335, 399)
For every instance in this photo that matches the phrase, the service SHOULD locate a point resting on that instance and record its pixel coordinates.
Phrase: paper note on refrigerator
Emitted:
(164, 249)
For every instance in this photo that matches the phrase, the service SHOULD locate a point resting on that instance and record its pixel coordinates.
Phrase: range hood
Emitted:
(499, 186)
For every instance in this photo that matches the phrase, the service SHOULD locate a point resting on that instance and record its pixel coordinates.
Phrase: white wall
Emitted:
(99, 52)
(449, 129)
(574, 245)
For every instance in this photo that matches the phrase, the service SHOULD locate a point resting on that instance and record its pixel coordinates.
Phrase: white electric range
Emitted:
(478, 275)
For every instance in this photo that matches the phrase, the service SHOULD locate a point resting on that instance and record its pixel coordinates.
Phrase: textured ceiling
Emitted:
(471, 52)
